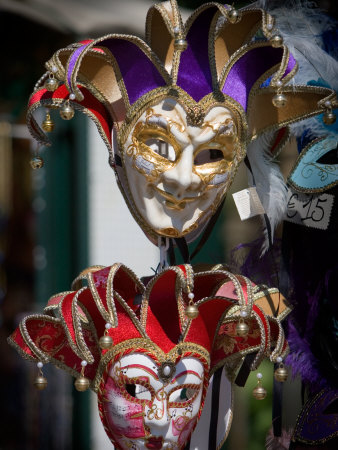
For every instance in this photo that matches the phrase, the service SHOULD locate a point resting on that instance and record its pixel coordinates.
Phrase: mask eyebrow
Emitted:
(159, 121)
(140, 366)
(186, 372)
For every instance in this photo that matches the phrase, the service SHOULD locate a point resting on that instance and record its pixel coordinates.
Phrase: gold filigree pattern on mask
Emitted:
(214, 157)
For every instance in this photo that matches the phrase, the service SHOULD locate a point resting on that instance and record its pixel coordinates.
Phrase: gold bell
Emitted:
(81, 384)
(48, 124)
(51, 84)
(276, 41)
(242, 328)
(259, 392)
(180, 44)
(233, 16)
(279, 100)
(66, 111)
(36, 162)
(281, 374)
(191, 311)
(40, 383)
(329, 118)
(105, 342)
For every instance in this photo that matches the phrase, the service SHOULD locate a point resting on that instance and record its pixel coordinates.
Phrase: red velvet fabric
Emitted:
(163, 325)
(60, 341)
(89, 102)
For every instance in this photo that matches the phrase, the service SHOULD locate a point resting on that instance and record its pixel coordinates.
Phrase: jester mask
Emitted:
(154, 379)
(178, 110)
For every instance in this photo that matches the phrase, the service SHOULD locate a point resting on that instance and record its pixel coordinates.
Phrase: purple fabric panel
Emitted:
(194, 74)
(246, 71)
(139, 74)
(72, 62)
(291, 65)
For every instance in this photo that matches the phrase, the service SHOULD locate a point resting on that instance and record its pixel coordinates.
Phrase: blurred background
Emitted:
(68, 215)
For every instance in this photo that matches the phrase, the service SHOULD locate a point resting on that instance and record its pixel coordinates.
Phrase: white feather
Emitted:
(302, 31)
(269, 182)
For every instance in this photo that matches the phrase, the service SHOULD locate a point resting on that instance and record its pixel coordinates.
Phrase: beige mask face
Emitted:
(178, 173)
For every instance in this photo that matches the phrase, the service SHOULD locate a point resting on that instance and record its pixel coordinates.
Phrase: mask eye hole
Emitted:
(208, 155)
(183, 395)
(186, 394)
(162, 148)
(138, 391)
(330, 157)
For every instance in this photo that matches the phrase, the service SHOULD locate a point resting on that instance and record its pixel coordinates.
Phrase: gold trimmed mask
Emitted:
(221, 58)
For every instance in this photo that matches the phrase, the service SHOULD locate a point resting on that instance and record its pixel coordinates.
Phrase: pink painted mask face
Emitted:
(147, 406)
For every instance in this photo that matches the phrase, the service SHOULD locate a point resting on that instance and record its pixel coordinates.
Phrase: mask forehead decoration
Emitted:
(152, 378)
(184, 83)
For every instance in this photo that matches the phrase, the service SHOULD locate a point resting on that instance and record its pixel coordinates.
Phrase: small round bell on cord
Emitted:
(67, 111)
(106, 341)
(259, 392)
(329, 118)
(40, 381)
(191, 311)
(51, 84)
(48, 123)
(180, 44)
(276, 40)
(242, 328)
(279, 100)
(233, 15)
(36, 162)
(82, 383)
(281, 373)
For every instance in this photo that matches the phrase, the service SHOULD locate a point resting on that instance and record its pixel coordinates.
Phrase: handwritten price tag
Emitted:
(310, 210)
(248, 203)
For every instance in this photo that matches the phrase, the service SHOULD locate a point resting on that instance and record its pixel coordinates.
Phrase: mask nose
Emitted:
(181, 178)
(157, 418)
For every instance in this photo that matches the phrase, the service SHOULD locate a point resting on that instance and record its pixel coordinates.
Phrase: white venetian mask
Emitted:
(177, 173)
(147, 406)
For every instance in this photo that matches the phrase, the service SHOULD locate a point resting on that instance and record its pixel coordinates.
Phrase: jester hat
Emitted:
(152, 320)
(220, 57)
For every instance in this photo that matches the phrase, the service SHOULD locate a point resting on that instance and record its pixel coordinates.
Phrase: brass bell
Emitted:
(329, 118)
(51, 84)
(233, 16)
(180, 44)
(48, 124)
(276, 41)
(259, 392)
(191, 311)
(82, 383)
(242, 328)
(40, 383)
(36, 162)
(281, 374)
(66, 111)
(279, 100)
(105, 342)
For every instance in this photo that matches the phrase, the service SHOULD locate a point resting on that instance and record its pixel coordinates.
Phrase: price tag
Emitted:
(248, 203)
(310, 210)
